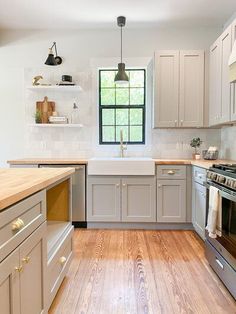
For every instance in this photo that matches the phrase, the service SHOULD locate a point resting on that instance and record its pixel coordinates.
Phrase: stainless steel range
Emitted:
(221, 251)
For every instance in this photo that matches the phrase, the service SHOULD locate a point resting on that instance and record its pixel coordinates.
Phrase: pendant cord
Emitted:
(121, 43)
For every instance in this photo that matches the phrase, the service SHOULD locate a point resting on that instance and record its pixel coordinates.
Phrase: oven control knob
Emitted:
(221, 179)
(234, 184)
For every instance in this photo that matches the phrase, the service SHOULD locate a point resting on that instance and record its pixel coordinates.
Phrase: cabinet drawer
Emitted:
(171, 172)
(199, 175)
(20, 220)
(222, 268)
(59, 264)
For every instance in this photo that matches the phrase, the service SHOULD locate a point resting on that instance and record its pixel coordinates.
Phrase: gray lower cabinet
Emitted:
(171, 201)
(103, 199)
(115, 199)
(199, 208)
(22, 276)
(138, 200)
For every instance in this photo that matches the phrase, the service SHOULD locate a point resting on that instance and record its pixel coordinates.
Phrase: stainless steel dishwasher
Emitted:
(78, 193)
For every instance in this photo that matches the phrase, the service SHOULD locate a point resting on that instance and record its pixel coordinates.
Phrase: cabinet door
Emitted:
(138, 199)
(9, 284)
(226, 46)
(199, 208)
(171, 201)
(32, 279)
(233, 85)
(215, 84)
(191, 88)
(166, 97)
(103, 199)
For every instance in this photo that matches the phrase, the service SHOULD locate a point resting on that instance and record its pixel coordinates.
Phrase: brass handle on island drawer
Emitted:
(62, 260)
(17, 224)
(19, 269)
(26, 259)
(171, 172)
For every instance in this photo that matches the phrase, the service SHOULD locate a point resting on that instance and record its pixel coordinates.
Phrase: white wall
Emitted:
(24, 50)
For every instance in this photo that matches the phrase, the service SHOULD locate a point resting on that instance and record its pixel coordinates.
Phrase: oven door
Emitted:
(226, 244)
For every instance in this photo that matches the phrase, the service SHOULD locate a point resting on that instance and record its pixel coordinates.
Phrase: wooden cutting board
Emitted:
(46, 108)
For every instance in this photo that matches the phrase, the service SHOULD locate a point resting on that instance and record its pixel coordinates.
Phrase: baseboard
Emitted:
(141, 225)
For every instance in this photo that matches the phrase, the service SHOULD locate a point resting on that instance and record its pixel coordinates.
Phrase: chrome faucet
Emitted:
(123, 147)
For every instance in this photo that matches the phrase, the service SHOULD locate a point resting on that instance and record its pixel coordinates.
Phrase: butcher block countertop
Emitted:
(48, 161)
(18, 183)
(77, 161)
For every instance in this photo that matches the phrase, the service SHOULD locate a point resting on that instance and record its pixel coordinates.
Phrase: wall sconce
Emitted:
(51, 60)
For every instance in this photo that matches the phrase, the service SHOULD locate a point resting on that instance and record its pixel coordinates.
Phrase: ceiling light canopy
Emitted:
(121, 76)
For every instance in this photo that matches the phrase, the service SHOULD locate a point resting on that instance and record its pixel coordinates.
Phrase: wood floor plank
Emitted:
(140, 272)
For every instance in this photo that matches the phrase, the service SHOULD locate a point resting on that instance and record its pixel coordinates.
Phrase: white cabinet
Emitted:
(199, 208)
(138, 199)
(219, 90)
(103, 199)
(9, 284)
(191, 91)
(179, 89)
(115, 199)
(215, 84)
(166, 91)
(22, 276)
(171, 201)
(233, 85)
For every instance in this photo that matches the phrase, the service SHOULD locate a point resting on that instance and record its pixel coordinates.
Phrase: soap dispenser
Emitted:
(75, 114)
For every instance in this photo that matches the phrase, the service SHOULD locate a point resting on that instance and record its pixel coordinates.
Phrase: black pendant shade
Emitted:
(121, 77)
(51, 60)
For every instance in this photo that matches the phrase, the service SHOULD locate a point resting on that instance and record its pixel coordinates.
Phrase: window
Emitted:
(122, 107)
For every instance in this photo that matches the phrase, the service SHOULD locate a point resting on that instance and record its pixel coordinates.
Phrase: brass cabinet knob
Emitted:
(171, 172)
(124, 184)
(17, 224)
(62, 260)
(26, 259)
(19, 268)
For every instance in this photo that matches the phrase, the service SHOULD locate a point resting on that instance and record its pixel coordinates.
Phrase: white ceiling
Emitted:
(73, 14)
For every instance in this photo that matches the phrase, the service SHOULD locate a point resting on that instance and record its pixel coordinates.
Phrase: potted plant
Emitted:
(196, 143)
(38, 116)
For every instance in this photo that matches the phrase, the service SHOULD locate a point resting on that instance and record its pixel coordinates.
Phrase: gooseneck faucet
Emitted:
(123, 147)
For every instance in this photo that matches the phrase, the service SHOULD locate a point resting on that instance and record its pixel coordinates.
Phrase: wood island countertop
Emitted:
(77, 161)
(18, 183)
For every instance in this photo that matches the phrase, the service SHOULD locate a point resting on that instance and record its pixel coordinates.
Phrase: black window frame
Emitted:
(143, 107)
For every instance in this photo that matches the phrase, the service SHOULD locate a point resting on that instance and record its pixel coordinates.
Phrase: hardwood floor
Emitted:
(129, 272)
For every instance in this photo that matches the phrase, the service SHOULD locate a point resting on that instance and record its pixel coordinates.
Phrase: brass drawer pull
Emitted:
(26, 259)
(62, 260)
(171, 172)
(19, 269)
(17, 224)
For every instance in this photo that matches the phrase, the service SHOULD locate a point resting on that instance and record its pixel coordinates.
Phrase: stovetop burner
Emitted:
(225, 169)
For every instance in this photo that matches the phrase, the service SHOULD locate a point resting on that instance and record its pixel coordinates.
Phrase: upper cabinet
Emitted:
(191, 90)
(221, 92)
(233, 85)
(179, 89)
(166, 90)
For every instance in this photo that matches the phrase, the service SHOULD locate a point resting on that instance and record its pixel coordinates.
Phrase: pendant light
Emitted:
(121, 76)
(51, 60)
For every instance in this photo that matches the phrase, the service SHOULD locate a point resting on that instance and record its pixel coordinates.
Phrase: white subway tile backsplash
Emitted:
(83, 142)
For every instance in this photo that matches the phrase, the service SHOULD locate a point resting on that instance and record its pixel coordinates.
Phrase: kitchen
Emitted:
(119, 156)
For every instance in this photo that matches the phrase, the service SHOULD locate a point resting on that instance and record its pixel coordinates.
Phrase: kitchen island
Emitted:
(35, 237)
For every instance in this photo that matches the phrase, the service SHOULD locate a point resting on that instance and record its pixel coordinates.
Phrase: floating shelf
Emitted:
(62, 88)
(54, 125)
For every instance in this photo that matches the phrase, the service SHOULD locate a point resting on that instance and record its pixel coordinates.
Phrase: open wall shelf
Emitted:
(62, 88)
(54, 125)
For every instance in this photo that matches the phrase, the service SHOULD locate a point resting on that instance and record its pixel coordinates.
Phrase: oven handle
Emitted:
(223, 194)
